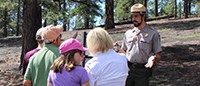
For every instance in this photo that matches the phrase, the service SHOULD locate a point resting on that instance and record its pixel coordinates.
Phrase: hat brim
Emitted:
(84, 49)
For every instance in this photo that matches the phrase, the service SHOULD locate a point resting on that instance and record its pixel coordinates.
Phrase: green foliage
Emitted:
(51, 12)
(194, 4)
(151, 9)
(180, 7)
(169, 7)
(79, 22)
(166, 7)
(77, 11)
(11, 6)
(122, 9)
(198, 7)
(89, 10)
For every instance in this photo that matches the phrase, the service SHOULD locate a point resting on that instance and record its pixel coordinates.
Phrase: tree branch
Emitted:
(83, 2)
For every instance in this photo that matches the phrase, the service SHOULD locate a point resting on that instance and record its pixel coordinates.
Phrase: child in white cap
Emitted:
(32, 52)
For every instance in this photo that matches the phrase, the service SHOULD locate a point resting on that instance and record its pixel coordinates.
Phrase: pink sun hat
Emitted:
(71, 44)
(51, 32)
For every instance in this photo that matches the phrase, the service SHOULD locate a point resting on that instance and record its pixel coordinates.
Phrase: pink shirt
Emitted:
(27, 57)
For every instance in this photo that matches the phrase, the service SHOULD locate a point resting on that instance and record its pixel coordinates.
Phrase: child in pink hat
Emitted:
(66, 69)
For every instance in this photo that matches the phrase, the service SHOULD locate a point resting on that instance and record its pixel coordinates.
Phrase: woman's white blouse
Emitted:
(107, 69)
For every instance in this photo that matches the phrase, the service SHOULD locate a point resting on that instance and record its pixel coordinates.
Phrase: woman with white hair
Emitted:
(107, 67)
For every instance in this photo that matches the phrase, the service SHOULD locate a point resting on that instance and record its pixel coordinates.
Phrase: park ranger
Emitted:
(142, 47)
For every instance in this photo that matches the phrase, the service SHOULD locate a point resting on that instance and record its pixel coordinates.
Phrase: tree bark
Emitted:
(86, 22)
(175, 8)
(5, 22)
(156, 8)
(145, 4)
(180, 11)
(31, 23)
(189, 7)
(64, 15)
(109, 24)
(86, 16)
(186, 8)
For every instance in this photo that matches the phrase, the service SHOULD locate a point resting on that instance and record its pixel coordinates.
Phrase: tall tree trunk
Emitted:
(68, 19)
(145, 4)
(133, 2)
(18, 18)
(189, 7)
(64, 15)
(156, 8)
(175, 8)
(109, 24)
(45, 23)
(186, 8)
(86, 16)
(55, 22)
(180, 11)
(86, 23)
(68, 24)
(31, 23)
(5, 22)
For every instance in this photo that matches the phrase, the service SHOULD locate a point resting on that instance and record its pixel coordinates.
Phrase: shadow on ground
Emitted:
(179, 66)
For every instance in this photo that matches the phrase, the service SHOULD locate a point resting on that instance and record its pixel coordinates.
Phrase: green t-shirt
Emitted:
(39, 65)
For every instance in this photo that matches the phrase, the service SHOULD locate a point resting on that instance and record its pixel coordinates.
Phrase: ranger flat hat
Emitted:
(138, 8)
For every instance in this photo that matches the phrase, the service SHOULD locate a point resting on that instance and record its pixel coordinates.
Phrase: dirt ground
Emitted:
(179, 65)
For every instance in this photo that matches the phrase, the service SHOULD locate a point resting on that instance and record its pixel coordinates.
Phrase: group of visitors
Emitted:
(54, 63)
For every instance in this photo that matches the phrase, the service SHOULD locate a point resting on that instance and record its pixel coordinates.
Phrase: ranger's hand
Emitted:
(150, 62)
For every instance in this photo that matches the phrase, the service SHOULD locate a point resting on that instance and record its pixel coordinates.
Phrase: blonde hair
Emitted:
(98, 40)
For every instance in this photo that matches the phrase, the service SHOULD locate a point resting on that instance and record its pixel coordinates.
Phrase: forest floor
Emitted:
(179, 65)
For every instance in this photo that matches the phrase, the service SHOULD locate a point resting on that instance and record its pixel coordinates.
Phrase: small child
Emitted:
(66, 69)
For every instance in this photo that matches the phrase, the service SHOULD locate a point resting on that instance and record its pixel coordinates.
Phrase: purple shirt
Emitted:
(75, 77)
(27, 57)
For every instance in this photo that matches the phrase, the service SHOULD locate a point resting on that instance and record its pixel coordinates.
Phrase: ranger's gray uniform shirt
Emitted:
(141, 44)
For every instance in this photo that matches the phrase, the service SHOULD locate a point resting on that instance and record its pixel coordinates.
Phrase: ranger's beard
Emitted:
(136, 23)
